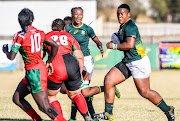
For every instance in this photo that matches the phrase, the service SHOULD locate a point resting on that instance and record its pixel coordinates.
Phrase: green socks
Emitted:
(101, 89)
(109, 107)
(90, 105)
(163, 106)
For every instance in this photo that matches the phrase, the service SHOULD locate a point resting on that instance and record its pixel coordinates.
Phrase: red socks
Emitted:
(57, 105)
(81, 103)
(60, 118)
(32, 113)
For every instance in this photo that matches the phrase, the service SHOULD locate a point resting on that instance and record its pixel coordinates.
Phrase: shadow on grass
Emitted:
(9, 119)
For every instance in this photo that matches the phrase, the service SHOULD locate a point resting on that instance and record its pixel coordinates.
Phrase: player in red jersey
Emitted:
(67, 68)
(29, 42)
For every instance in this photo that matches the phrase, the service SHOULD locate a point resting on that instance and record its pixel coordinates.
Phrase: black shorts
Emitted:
(73, 81)
(124, 69)
(73, 71)
(53, 86)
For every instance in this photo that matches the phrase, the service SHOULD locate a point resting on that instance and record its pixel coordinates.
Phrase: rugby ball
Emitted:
(115, 39)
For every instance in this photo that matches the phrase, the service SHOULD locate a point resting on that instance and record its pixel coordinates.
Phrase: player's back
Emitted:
(31, 43)
(65, 41)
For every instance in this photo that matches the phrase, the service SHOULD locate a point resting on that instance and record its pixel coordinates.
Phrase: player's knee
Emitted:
(144, 92)
(15, 99)
(107, 80)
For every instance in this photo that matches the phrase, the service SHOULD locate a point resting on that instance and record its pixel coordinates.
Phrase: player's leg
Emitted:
(38, 81)
(143, 87)
(19, 99)
(53, 90)
(73, 85)
(140, 71)
(116, 75)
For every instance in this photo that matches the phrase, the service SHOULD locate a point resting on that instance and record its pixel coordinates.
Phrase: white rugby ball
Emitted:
(115, 39)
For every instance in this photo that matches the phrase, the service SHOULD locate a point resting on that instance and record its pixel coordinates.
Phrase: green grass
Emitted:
(130, 107)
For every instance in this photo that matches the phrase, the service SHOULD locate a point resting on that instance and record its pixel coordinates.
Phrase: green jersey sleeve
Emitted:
(90, 32)
(131, 30)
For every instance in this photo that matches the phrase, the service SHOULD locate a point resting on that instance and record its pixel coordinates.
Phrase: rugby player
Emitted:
(135, 63)
(28, 42)
(82, 32)
(67, 68)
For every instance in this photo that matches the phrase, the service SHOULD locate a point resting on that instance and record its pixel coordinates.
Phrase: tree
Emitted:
(160, 9)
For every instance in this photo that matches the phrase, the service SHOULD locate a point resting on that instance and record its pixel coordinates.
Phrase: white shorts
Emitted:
(140, 68)
(88, 65)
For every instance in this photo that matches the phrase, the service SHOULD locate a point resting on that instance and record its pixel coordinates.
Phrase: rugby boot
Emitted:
(104, 116)
(170, 114)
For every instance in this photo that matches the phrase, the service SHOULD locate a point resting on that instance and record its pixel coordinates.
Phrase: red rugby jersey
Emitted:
(67, 43)
(29, 45)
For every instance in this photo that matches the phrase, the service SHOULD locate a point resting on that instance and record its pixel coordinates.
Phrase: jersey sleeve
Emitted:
(91, 32)
(130, 30)
(17, 42)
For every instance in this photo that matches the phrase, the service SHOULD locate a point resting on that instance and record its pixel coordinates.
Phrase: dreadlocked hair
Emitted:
(58, 25)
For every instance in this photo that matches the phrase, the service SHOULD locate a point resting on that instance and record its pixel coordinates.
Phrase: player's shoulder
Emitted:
(49, 33)
(131, 24)
(19, 34)
(86, 26)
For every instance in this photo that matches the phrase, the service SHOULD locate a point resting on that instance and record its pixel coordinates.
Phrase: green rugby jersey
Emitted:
(136, 53)
(82, 35)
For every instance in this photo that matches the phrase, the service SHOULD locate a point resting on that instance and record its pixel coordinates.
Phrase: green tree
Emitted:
(160, 9)
(174, 9)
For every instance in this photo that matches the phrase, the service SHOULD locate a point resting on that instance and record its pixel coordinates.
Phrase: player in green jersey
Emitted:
(135, 63)
(82, 32)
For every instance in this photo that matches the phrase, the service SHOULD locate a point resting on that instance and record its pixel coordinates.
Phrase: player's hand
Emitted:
(49, 68)
(110, 45)
(5, 48)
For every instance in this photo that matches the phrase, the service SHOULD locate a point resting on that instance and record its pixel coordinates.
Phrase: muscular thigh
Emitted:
(114, 77)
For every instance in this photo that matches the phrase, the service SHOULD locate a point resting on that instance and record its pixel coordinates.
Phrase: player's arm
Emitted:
(98, 43)
(95, 39)
(129, 44)
(130, 36)
(77, 53)
(80, 57)
(17, 41)
(10, 55)
(54, 49)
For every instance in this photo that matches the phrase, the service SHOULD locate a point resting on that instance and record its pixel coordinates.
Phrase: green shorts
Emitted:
(37, 79)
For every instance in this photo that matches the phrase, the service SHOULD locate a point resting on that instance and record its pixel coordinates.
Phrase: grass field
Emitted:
(130, 107)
